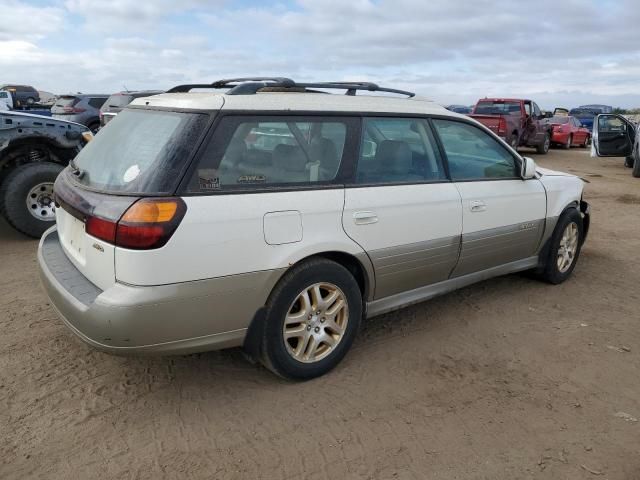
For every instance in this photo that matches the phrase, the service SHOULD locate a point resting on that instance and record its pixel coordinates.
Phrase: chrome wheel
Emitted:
(568, 247)
(316, 322)
(40, 202)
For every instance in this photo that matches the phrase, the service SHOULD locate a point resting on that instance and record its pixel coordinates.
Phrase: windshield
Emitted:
(119, 100)
(584, 112)
(498, 108)
(140, 151)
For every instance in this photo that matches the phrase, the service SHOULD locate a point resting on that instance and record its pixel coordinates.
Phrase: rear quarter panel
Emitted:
(224, 235)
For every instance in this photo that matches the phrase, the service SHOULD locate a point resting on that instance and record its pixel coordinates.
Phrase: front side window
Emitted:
(398, 150)
(609, 124)
(249, 153)
(473, 154)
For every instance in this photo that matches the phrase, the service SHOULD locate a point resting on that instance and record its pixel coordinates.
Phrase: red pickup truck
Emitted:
(520, 123)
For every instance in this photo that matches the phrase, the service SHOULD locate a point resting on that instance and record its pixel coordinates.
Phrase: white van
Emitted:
(6, 100)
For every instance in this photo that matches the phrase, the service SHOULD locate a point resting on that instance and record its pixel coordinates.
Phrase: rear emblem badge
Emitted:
(98, 247)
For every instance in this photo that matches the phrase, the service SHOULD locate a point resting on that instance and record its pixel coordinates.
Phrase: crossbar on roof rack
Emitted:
(252, 85)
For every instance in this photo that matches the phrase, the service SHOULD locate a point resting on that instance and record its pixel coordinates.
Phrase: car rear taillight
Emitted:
(148, 223)
(73, 110)
(502, 126)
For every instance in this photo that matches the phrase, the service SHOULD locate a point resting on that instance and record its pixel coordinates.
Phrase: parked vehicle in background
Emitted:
(599, 107)
(33, 151)
(567, 131)
(586, 115)
(80, 108)
(520, 123)
(616, 136)
(560, 111)
(23, 95)
(47, 99)
(6, 100)
(116, 102)
(463, 109)
(277, 217)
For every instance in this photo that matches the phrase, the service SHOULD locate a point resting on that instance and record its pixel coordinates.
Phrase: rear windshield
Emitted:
(119, 100)
(559, 119)
(498, 108)
(585, 112)
(140, 151)
(66, 101)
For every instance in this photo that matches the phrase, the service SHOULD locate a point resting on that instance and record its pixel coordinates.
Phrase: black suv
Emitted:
(116, 102)
(22, 94)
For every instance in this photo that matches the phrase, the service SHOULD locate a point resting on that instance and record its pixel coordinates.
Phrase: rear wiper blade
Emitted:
(77, 171)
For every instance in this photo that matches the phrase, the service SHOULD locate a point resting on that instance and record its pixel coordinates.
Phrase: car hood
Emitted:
(552, 173)
(32, 117)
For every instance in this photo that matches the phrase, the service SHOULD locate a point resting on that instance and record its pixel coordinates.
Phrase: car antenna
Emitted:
(125, 88)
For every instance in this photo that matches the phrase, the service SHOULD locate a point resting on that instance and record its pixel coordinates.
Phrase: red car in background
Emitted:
(567, 131)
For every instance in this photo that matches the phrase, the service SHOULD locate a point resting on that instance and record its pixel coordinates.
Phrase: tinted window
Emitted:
(66, 101)
(96, 102)
(497, 108)
(140, 151)
(473, 154)
(257, 152)
(397, 150)
(119, 100)
(536, 110)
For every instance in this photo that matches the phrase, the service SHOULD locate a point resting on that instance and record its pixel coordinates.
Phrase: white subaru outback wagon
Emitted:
(276, 216)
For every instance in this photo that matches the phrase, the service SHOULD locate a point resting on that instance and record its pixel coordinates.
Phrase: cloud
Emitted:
(453, 52)
(20, 21)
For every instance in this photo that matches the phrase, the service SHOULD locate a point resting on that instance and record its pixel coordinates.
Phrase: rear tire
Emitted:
(585, 144)
(544, 147)
(564, 248)
(18, 187)
(94, 127)
(567, 145)
(307, 332)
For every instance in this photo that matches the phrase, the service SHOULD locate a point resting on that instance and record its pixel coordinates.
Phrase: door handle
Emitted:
(477, 206)
(365, 218)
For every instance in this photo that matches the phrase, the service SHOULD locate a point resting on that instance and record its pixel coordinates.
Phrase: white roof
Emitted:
(294, 102)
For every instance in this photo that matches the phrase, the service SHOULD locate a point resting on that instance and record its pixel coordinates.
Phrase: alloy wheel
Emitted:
(316, 322)
(568, 247)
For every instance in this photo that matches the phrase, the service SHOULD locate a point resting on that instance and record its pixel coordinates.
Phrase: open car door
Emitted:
(613, 136)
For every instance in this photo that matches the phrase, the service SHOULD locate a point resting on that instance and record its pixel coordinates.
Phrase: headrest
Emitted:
(394, 156)
(324, 151)
(289, 157)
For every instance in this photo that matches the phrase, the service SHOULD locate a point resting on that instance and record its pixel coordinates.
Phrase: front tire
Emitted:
(628, 162)
(544, 147)
(564, 247)
(27, 197)
(312, 318)
(636, 166)
(585, 144)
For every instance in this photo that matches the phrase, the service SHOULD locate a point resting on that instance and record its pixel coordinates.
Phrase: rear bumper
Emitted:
(557, 137)
(166, 319)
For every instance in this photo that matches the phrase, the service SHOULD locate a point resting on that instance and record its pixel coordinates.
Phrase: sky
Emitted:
(558, 53)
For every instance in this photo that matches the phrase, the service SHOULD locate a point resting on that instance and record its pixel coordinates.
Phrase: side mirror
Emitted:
(548, 114)
(528, 168)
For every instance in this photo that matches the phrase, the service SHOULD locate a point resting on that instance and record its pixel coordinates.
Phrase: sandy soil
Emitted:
(507, 379)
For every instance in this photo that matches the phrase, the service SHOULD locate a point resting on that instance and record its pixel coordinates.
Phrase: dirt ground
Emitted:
(507, 379)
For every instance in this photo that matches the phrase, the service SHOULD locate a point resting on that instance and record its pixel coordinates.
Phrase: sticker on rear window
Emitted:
(252, 179)
(131, 174)
(207, 179)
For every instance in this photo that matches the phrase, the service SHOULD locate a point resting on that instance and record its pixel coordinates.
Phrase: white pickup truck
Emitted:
(6, 100)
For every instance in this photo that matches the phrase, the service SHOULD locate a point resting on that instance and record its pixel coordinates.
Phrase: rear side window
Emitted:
(397, 150)
(67, 101)
(259, 152)
(140, 151)
(119, 101)
(473, 154)
(96, 102)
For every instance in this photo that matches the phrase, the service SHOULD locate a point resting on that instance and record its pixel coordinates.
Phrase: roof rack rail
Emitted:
(251, 85)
